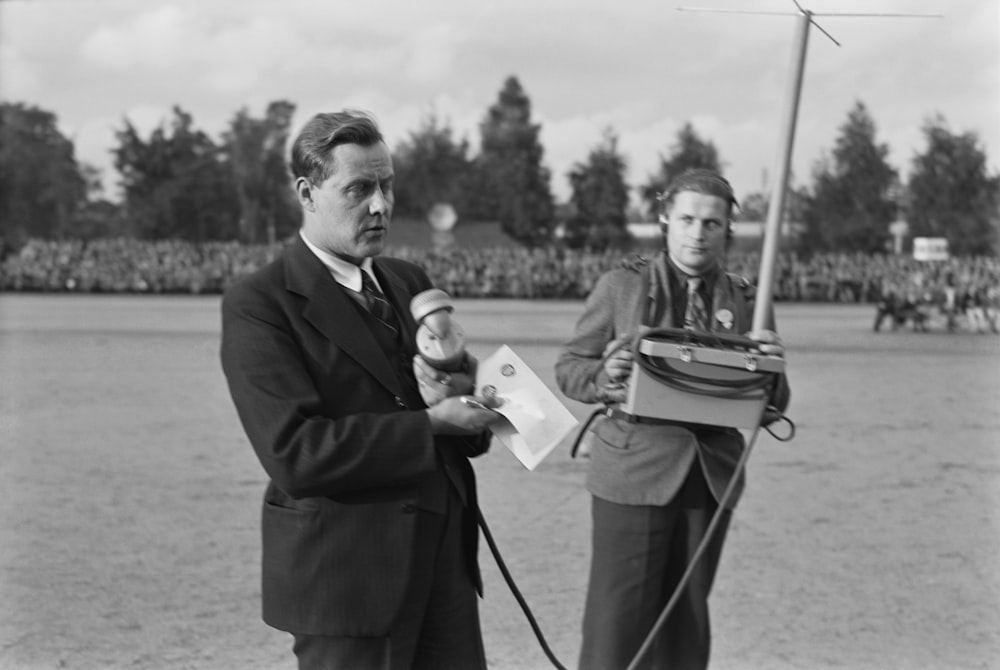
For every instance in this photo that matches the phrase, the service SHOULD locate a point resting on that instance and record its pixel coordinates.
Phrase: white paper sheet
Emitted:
(536, 421)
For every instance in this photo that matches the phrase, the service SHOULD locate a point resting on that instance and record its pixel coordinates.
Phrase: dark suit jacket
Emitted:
(341, 435)
(641, 464)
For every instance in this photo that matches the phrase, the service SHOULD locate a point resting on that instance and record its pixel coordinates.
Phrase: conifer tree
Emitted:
(432, 167)
(512, 178)
(600, 196)
(256, 152)
(41, 184)
(853, 198)
(951, 193)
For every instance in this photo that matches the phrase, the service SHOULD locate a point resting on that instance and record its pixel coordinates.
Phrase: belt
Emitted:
(613, 413)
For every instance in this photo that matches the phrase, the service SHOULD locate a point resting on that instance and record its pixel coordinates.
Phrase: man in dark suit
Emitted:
(656, 483)
(369, 517)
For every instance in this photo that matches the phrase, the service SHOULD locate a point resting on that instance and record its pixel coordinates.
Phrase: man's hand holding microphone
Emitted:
(445, 371)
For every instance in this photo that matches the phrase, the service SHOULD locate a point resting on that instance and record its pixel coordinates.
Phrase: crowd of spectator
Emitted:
(123, 265)
(127, 265)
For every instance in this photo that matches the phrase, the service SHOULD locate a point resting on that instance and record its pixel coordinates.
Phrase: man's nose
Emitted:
(378, 204)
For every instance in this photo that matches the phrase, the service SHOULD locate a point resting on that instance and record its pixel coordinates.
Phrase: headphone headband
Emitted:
(699, 180)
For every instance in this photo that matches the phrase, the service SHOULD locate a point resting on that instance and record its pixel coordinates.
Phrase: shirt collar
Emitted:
(346, 273)
(681, 277)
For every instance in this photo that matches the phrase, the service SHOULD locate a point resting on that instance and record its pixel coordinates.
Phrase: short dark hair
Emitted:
(699, 180)
(311, 151)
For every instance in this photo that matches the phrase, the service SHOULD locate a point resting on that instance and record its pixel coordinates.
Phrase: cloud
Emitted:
(432, 52)
(242, 56)
(159, 39)
(242, 53)
(584, 65)
(20, 79)
(174, 41)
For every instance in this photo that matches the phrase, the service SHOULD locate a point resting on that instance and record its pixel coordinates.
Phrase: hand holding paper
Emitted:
(535, 421)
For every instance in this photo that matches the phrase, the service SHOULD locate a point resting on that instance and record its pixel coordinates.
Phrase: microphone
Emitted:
(440, 341)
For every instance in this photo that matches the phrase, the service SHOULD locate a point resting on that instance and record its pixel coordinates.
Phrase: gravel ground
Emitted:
(130, 538)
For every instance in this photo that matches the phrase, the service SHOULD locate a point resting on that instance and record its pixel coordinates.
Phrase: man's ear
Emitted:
(303, 189)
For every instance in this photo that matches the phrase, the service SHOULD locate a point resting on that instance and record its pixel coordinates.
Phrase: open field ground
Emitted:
(129, 532)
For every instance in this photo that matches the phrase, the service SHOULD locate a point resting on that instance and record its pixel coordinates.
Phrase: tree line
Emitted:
(177, 182)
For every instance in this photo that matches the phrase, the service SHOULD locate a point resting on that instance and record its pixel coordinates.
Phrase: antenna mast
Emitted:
(779, 189)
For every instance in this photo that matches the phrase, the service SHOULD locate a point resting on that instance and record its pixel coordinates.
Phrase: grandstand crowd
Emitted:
(903, 289)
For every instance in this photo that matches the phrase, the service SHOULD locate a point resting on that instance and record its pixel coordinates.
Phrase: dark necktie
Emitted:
(696, 314)
(377, 304)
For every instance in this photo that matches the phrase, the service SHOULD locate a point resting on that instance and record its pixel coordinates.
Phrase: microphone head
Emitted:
(429, 301)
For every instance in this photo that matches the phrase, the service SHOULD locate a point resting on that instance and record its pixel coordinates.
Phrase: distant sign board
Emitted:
(930, 248)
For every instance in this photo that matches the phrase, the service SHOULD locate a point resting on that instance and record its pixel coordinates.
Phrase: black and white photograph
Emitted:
(490, 335)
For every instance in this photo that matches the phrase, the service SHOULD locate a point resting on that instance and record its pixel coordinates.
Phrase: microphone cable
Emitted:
(517, 592)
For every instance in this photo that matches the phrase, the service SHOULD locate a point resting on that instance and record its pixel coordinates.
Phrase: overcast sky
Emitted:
(641, 67)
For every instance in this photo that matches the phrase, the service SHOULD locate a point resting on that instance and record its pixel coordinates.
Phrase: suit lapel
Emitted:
(334, 314)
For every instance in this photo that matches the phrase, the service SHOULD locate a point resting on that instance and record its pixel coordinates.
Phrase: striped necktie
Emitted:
(696, 314)
(377, 304)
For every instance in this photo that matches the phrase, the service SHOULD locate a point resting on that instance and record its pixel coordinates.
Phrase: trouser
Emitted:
(438, 625)
(639, 555)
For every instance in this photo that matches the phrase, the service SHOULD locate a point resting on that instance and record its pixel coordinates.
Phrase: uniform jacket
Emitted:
(644, 464)
(338, 429)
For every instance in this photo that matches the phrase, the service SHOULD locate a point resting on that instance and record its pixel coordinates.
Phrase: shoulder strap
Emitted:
(643, 268)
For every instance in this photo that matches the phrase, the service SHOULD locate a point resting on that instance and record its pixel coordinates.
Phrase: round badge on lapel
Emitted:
(725, 318)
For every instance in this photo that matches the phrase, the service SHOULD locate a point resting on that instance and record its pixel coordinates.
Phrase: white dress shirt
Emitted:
(346, 273)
